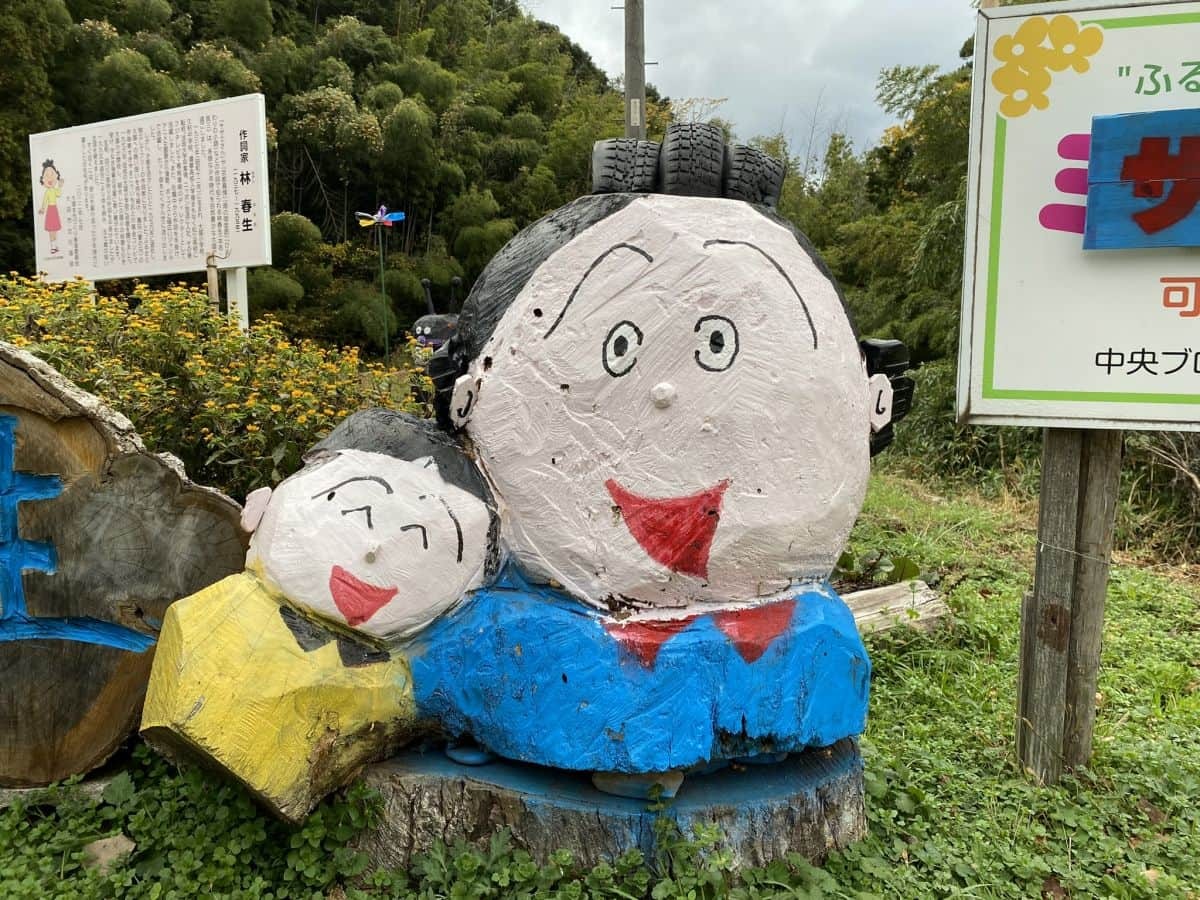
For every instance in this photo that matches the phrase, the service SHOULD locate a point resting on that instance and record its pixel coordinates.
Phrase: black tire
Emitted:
(624, 165)
(753, 176)
(692, 160)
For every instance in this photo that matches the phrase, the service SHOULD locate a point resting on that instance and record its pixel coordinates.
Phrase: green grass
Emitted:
(950, 812)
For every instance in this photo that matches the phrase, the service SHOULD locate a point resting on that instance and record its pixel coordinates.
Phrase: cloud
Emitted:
(805, 68)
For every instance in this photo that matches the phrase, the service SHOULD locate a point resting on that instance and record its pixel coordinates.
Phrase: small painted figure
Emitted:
(289, 676)
(435, 329)
(369, 541)
(52, 181)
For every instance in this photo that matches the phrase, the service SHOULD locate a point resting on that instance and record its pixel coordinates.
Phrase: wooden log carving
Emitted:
(97, 537)
(250, 688)
(287, 676)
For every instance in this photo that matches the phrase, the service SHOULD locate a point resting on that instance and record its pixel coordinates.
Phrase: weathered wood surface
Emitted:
(258, 692)
(130, 534)
(91, 788)
(1062, 619)
(1046, 612)
(910, 603)
(810, 804)
(1100, 481)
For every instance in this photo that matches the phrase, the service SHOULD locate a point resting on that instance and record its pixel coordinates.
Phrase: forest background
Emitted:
(476, 119)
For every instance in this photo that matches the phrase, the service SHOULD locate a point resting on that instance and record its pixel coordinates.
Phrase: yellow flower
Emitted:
(1072, 44)
(252, 428)
(1028, 62)
(1021, 88)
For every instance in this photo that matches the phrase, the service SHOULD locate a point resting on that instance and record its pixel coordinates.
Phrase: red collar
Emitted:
(751, 630)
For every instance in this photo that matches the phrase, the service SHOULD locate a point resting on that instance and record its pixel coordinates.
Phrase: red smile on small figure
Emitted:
(356, 599)
(675, 531)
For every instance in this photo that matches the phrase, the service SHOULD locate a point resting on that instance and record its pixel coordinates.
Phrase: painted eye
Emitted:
(717, 343)
(621, 347)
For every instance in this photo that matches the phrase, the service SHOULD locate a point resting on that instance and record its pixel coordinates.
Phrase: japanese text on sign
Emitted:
(154, 194)
(1155, 79)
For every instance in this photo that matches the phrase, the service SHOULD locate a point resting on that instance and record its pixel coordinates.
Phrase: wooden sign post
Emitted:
(1063, 618)
(1085, 147)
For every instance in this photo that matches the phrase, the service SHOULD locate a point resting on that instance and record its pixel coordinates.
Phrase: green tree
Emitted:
(125, 83)
(249, 22)
(31, 33)
(220, 69)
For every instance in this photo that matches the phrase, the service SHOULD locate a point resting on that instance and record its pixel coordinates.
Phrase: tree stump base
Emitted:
(810, 804)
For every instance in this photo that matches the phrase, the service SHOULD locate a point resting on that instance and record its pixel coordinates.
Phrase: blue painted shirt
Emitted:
(536, 676)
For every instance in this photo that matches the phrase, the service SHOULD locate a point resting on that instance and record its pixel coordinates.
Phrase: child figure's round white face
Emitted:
(674, 411)
(371, 541)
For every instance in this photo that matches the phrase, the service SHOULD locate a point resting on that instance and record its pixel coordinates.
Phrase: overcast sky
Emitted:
(780, 62)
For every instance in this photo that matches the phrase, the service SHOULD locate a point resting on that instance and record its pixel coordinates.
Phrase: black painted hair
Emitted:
(409, 438)
(49, 164)
(622, 171)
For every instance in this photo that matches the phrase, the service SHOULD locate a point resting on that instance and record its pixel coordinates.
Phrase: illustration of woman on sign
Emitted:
(52, 181)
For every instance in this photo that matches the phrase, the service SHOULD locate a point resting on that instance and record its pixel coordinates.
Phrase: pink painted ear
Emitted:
(256, 505)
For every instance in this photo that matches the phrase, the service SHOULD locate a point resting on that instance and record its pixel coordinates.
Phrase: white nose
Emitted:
(663, 394)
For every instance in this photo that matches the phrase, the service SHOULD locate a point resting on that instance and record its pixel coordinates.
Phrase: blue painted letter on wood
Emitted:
(1144, 181)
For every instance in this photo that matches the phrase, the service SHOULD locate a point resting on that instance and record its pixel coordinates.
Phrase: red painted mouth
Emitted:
(676, 531)
(355, 599)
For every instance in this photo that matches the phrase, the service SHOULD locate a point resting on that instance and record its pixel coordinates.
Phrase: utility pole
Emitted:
(635, 69)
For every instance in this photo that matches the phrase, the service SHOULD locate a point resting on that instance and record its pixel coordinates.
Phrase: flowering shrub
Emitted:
(238, 408)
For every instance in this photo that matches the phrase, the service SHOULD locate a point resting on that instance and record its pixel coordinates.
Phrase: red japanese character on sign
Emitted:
(1152, 167)
(1182, 294)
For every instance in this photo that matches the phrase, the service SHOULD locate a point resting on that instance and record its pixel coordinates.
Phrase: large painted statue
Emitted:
(656, 396)
(667, 395)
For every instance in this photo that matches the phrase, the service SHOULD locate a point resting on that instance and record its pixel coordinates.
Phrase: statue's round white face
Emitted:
(373, 542)
(674, 411)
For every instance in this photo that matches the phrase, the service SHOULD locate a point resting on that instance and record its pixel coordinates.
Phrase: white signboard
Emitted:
(154, 194)
(1053, 334)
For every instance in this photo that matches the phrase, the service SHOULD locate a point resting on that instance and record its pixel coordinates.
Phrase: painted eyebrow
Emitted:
(457, 527)
(374, 478)
(599, 259)
(424, 533)
(779, 269)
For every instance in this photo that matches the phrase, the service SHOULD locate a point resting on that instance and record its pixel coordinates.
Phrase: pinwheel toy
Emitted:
(387, 220)
(382, 217)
